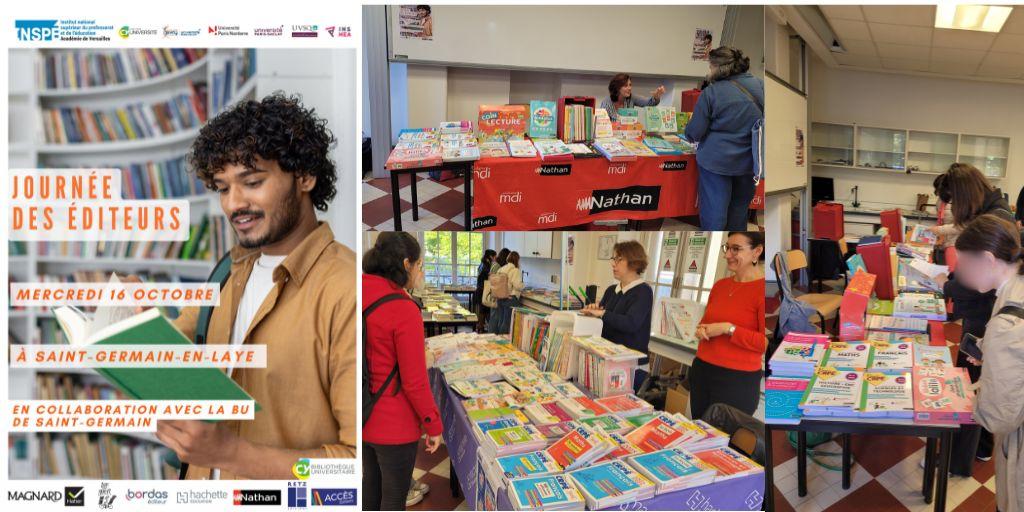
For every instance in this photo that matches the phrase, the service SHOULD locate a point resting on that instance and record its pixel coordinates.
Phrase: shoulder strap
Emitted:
(1012, 310)
(394, 371)
(748, 95)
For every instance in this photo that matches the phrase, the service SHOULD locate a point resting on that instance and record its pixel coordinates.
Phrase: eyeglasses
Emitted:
(733, 248)
(616, 259)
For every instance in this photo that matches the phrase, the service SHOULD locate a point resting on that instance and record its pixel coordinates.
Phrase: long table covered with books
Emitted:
(512, 194)
(890, 372)
(520, 435)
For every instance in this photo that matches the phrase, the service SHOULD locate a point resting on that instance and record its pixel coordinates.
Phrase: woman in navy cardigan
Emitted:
(626, 307)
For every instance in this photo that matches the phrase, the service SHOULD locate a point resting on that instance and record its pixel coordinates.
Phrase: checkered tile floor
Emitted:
(441, 204)
(432, 469)
(886, 475)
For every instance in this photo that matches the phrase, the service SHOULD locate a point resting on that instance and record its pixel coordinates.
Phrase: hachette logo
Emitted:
(204, 497)
(33, 495)
(258, 497)
(37, 30)
(637, 198)
(333, 497)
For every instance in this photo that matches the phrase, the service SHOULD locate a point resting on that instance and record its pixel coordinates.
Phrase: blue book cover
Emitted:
(488, 425)
(542, 120)
(782, 399)
(527, 464)
(609, 479)
(667, 465)
(540, 492)
(856, 262)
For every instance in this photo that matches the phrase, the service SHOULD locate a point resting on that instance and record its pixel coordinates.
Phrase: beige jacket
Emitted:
(308, 389)
(1000, 400)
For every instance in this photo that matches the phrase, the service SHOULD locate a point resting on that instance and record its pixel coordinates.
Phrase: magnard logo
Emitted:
(489, 221)
(547, 218)
(258, 497)
(617, 169)
(638, 198)
(33, 495)
(510, 197)
(37, 30)
(555, 170)
(301, 469)
(74, 496)
(675, 165)
(482, 173)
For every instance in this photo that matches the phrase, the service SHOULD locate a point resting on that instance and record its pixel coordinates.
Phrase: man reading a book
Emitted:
(292, 288)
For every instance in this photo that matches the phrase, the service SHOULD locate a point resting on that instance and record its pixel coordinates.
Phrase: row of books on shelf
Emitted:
(56, 386)
(85, 69)
(812, 376)
(72, 125)
(103, 456)
(160, 180)
(208, 240)
(17, 248)
(236, 70)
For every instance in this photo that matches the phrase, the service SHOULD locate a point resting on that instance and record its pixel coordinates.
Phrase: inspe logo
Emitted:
(74, 496)
(37, 30)
(334, 497)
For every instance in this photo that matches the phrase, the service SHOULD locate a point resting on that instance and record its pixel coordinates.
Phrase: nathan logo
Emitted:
(638, 198)
(617, 169)
(74, 496)
(555, 170)
(37, 30)
(510, 197)
(34, 495)
(334, 497)
(676, 165)
(547, 218)
(489, 221)
(270, 497)
(482, 173)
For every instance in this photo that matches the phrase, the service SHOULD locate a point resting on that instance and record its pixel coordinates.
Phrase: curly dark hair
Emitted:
(275, 128)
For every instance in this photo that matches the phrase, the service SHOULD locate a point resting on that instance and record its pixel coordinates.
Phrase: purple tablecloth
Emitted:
(745, 493)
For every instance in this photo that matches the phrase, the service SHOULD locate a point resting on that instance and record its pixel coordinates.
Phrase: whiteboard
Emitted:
(641, 40)
(785, 113)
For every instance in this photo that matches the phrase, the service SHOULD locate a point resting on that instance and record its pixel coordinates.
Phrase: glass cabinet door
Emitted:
(881, 148)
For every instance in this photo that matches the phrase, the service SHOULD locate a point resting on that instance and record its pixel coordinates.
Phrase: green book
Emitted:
(879, 307)
(117, 326)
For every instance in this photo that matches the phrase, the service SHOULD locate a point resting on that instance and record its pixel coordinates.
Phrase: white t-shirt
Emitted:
(261, 281)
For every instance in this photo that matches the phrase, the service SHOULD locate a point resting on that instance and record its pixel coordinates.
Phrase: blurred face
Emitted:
(263, 203)
(739, 254)
(626, 90)
(415, 271)
(975, 270)
(620, 267)
(422, 12)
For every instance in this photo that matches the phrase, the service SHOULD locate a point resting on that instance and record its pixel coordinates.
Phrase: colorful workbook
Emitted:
(614, 150)
(502, 122)
(608, 423)
(582, 407)
(943, 394)
(579, 447)
(797, 356)
(522, 149)
(611, 483)
(919, 305)
(527, 465)
(673, 469)
(927, 355)
(662, 146)
(848, 355)
(782, 396)
(661, 432)
(542, 120)
(625, 405)
(892, 356)
(637, 148)
(832, 392)
(729, 463)
(551, 492)
(887, 394)
(494, 149)
(553, 150)
(894, 324)
(621, 447)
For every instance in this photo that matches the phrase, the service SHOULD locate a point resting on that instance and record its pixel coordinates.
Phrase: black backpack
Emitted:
(370, 397)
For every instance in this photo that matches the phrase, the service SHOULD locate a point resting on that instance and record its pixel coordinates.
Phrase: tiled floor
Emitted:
(886, 474)
(433, 469)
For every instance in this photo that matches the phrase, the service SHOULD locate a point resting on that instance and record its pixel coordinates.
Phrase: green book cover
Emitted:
(151, 328)
(879, 307)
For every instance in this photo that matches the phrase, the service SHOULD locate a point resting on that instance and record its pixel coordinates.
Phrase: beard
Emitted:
(281, 222)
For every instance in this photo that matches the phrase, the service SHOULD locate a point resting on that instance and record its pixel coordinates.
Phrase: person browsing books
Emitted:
(483, 272)
(625, 308)
(291, 288)
(731, 337)
(501, 316)
(395, 339)
(989, 257)
(721, 125)
(620, 95)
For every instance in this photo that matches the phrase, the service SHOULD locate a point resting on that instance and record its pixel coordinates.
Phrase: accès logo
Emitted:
(301, 469)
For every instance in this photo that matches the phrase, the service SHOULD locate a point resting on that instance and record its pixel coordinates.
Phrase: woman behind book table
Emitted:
(732, 343)
(395, 337)
(620, 95)
(989, 258)
(625, 308)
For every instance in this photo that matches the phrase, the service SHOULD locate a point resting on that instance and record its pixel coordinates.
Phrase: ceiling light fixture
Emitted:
(981, 18)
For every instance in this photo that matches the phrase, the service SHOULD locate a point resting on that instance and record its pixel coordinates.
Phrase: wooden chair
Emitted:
(824, 304)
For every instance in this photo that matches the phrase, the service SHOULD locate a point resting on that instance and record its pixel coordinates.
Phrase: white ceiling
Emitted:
(903, 38)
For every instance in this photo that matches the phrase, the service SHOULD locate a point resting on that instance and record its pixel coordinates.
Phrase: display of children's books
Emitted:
(614, 150)
(459, 147)
(832, 392)
(919, 305)
(798, 355)
(494, 149)
(611, 483)
(522, 149)
(629, 115)
(551, 492)
(673, 469)
(658, 119)
(662, 146)
(895, 324)
(782, 396)
(417, 135)
(453, 127)
(729, 463)
(414, 154)
(887, 394)
(638, 148)
(892, 356)
(553, 150)
(943, 394)
(916, 339)
(848, 355)
(921, 234)
(542, 120)
(602, 124)
(578, 123)
(579, 448)
(927, 355)
(502, 122)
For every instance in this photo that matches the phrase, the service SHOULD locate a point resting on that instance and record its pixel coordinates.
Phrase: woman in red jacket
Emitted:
(732, 341)
(395, 338)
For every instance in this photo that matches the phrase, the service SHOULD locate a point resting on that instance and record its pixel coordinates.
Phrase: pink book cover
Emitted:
(557, 411)
(800, 337)
(942, 394)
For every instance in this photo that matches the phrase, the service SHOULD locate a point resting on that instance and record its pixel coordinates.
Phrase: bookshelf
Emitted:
(900, 150)
(36, 455)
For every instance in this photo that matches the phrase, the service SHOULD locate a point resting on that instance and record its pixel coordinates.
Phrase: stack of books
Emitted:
(848, 356)
(526, 465)
(662, 431)
(892, 356)
(415, 149)
(579, 448)
(895, 324)
(608, 423)
(521, 149)
(782, 396)
(798, 355)
(621, 448)
(728, 463)
(612, 483)
(713, 437)
(673, 469)
(919, 305)
(637, 148)
(494, 149)
(832, 392)
(625, 405)
(887, 394)
(943, 394)
(662, 147)
(605, 368)
(578, 123)
(546, 413)
(582, 407)
(509, 440)
(614, 150)
(458, 144)
(553, 150)
(551, 492)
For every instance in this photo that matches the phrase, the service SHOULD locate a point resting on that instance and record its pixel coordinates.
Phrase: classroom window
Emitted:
(451, 259)
(675, 275)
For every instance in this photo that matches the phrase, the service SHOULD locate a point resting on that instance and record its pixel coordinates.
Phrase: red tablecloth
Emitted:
(519, 194)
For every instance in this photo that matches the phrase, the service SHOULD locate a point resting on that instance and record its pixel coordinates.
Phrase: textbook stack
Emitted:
(728, 463)
(579, 448)
(552, 492)
(673, 470)
(526, 465)
(510, 439)
(614, 150)
(415, 149)
(798, 355)
(612, 483)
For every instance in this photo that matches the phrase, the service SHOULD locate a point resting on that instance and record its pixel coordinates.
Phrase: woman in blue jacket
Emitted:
(722, 119)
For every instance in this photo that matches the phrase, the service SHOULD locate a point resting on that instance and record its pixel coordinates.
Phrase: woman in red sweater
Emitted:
(394, 338)
(732, 341)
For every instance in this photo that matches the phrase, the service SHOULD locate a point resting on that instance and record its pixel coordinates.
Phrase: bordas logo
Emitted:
(617, 169)
(675, 165)
(638, 198)
(547, 218)
(510, 197)
(270, 497)
(150, 496)
(33, 495)
(482, 173)
(555, 170)
(489, 221)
